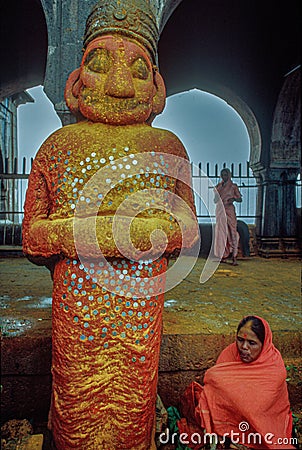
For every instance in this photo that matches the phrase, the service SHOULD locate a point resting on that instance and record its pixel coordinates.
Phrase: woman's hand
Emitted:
(233, 199)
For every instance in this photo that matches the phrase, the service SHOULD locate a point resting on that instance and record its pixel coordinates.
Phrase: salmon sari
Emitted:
(226, 235)
(247, 402)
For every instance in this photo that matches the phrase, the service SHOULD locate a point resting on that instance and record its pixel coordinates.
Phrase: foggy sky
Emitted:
(209, 128)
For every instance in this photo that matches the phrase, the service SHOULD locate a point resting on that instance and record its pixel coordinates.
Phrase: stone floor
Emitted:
(270, 288)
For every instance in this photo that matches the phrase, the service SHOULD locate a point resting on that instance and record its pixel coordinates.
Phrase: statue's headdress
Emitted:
(131, 18)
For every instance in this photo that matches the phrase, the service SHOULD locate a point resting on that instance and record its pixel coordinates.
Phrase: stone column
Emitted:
(279, 231)
(65, 26)
(259, 201)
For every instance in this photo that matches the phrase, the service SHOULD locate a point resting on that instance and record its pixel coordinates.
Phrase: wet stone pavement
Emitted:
(270, 288)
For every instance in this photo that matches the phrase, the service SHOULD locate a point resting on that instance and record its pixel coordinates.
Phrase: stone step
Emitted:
(26, 363)
(185, 358)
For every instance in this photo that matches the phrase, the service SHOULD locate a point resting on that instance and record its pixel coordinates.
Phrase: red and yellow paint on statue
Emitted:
(106, 341)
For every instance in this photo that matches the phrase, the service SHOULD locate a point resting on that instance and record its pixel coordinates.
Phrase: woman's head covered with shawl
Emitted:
(235, 392)
(226, 171)
(250, 338)
(253, 332)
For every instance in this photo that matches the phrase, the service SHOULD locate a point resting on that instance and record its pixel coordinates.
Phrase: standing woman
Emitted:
(226, 235)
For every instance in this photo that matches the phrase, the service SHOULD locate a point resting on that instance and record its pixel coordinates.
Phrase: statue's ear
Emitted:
(159, 99)
(72, 90)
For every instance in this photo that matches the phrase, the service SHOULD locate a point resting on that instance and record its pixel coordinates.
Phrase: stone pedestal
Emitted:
(269, 247)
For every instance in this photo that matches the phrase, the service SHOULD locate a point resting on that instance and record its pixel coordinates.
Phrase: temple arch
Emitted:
(248, 118)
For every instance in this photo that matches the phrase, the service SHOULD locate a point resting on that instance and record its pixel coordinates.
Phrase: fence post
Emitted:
(24, 166)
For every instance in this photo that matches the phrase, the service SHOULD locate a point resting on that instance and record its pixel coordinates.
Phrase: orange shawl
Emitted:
(243, 398)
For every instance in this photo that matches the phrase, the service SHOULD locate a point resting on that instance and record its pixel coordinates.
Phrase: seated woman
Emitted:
(244, 399)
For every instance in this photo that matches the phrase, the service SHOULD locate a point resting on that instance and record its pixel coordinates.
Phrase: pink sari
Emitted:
(226, 235)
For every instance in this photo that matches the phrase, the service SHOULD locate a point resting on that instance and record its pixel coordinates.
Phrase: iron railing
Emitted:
(205, 177)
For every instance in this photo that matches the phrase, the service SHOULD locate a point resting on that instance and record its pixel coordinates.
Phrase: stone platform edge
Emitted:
(26, 368)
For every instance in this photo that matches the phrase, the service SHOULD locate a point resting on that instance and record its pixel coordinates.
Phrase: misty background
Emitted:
(209, 128)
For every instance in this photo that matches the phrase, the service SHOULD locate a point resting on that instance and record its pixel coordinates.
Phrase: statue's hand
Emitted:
(134, 238)
(50, 237)
(128, 237)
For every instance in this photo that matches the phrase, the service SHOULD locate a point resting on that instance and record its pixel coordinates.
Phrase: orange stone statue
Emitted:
(109, 201)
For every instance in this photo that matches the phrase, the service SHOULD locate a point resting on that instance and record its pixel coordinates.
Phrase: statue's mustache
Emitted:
(110, 102)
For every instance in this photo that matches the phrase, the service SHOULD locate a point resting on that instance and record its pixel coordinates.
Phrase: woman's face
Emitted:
(225, 176)
(248, 344)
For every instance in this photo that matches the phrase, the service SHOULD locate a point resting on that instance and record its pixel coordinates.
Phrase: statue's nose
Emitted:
(119, 81)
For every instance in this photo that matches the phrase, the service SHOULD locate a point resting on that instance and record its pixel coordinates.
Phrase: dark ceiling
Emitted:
(247, 46)
(23, 37)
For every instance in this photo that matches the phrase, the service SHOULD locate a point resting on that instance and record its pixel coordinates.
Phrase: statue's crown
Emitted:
(131, 18)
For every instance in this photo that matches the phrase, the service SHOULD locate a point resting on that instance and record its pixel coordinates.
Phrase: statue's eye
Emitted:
(140, 69)
(98, 60)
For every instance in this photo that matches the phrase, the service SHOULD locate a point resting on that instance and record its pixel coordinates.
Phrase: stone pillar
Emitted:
(259, 201)
(65, 27)
(289, 209)
(279, 230)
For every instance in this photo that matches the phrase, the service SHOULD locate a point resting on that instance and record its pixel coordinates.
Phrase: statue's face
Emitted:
(117, 82)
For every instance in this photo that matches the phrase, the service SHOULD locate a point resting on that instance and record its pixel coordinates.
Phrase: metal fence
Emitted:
(13, 185)
(205, 177)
